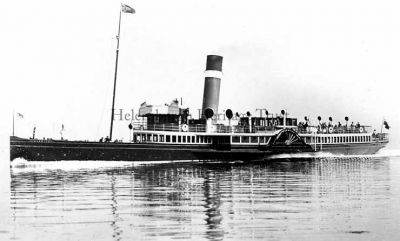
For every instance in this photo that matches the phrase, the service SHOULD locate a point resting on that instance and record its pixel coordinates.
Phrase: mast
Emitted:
(115, 75)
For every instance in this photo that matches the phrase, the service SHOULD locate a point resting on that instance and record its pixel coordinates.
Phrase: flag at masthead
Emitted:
(126, 9)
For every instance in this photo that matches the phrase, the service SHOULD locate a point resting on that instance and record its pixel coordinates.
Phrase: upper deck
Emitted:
(246, 128)
(180, 122)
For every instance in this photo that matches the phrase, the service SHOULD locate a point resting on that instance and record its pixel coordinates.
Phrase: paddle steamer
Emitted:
(169, 132)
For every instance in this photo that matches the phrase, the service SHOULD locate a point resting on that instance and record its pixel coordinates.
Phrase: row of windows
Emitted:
(250, 139)
(171, 138)
(342, 139)
(241, 139)
(195, 139)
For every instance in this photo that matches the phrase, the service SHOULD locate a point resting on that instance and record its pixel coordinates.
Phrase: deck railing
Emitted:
(334, 130)
(380, 137)
(219, 128)
(203, 128)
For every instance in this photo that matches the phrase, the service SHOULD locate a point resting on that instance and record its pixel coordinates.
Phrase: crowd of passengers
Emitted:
(330, 128)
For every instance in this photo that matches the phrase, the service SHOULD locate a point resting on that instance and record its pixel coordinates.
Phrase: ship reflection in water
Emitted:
(309, 199)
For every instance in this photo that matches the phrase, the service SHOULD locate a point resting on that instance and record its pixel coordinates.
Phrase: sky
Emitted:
(311, 58)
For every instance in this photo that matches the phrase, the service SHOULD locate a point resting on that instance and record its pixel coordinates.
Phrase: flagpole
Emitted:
(115, 75)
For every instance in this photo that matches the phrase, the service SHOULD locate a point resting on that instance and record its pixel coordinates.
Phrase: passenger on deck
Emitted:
(300, 125)
(101, 139)
(323, 126)
(303, 126)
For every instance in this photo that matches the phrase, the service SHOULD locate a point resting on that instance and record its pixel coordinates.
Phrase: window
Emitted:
(262, 139)
(188, 139)
(168, 138)
(161, 138)
(254, 139)
(173, 139)
(155, 138)
(143, 137)
(179, 139)
(245, 139)
(184, 139)
(198, 139)
(193, 139)
(148, 137)
(236, 139)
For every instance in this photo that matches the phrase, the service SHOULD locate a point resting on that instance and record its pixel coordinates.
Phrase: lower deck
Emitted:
(259, 139)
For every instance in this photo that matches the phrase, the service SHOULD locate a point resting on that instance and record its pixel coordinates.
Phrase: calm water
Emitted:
(284, 199)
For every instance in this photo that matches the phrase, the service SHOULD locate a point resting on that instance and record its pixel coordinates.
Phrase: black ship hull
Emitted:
(57, 150)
